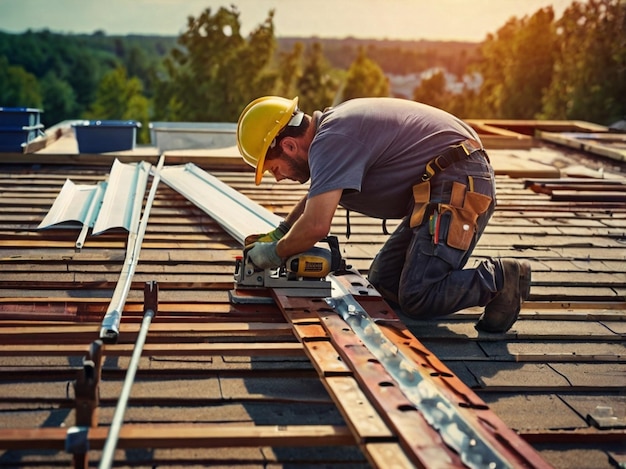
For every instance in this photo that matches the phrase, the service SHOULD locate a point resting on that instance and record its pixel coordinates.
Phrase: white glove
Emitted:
(264, 255)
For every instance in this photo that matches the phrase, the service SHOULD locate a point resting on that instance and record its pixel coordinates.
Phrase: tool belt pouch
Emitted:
(464, 209)
(421, 196)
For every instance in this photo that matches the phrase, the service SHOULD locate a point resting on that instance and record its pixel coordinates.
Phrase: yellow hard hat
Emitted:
(258, 125)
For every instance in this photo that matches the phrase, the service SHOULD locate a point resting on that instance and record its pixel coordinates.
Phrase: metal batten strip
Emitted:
(110, 326)
(436, 409)
(237, 214)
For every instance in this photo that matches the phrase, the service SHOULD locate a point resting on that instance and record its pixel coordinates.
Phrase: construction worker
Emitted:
(390, 159)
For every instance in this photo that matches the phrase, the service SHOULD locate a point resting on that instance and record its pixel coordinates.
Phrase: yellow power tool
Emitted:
(317, 262)
(305, 271)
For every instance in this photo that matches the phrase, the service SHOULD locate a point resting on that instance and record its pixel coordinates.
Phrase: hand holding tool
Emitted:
(305, 272)
(264, 255)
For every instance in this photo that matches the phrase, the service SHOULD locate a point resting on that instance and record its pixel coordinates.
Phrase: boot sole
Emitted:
(525, 273)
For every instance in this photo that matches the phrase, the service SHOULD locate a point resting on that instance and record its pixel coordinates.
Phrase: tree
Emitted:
(589, 80)
(19, 88)
(289, 70)
(215, 72)
(316, 87)
(59, 100)
(121, 98)
(516, 67)
(365, 78)
(432, 90)
(84, 76)
(529, 74)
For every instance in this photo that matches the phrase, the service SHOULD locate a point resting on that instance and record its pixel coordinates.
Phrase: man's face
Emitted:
(294, 167)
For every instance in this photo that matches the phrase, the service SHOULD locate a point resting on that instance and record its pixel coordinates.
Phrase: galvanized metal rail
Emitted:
(363, 352)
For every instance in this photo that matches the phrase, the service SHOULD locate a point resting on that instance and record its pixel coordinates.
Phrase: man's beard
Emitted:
(300, 170)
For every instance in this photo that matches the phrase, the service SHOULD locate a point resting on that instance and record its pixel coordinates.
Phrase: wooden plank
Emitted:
(586, 142)
(388, 455)
(325, 358)
(160, 349)
(183, 436)
(361, 416)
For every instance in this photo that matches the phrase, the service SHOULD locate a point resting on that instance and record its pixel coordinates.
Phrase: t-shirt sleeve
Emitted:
(336, 161)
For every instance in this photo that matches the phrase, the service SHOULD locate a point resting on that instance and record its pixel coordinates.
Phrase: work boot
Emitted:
(501, 312)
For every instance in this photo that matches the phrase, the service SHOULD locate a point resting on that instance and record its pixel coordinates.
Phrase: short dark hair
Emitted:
(287, 131)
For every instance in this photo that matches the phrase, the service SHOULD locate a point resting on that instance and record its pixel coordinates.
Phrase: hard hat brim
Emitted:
(256, 156)
(280, 124)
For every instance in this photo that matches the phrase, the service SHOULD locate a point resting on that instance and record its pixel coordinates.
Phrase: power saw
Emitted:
(304, 272)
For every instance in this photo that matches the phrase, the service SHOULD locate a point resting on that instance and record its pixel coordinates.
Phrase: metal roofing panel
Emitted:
(231, 209)
(123, 198)
(74, 203)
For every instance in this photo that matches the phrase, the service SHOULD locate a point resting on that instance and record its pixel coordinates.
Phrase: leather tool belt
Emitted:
(450, 156)
(465, 205)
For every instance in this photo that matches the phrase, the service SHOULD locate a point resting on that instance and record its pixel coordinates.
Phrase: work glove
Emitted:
(264, 255)
(274, 235)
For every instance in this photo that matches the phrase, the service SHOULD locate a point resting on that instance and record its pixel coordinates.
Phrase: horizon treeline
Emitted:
(535, 67)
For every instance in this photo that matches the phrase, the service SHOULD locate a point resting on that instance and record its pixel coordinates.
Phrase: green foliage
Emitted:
(365, 78)
(121, 98)
(317, 87)
(69, 68)
(395, 57)
(517, 67)
(432, 91)
(59, 99)
(589, 80)
(533, 67)
(289, 70)
(571, 68)
(19, 88)
(215, 72)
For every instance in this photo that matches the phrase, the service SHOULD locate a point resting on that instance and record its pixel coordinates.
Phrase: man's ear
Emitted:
(289, 145)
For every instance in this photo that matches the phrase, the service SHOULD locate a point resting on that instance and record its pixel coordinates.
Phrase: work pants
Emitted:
(423, 274)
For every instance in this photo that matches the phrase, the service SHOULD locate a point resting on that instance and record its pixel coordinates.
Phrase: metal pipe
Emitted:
(96, 200)
(110, 327)
(150, 309)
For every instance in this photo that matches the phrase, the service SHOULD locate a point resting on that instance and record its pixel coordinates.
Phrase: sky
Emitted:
(466, 20)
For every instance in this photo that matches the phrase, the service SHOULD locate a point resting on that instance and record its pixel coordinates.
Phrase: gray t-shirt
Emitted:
(375, 149)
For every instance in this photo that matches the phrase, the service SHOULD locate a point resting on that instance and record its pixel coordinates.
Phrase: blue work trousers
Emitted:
(426, 277)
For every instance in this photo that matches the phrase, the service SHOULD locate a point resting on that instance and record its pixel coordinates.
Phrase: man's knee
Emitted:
(390, 294)
(414, 305)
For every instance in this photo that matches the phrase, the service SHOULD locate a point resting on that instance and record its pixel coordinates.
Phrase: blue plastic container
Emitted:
(13, 138)
(105, 136)
(19, 116)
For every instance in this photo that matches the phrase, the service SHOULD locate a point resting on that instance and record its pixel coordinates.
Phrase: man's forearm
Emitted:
(312, 225)
(296, 212)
